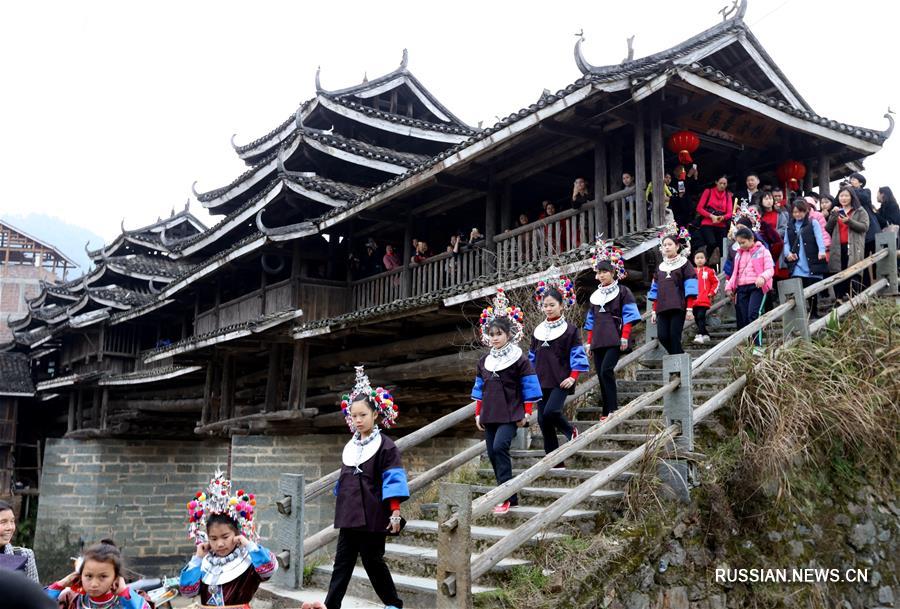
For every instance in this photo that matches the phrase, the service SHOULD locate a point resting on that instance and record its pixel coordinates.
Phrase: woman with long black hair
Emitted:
(889, 212)
(847, 223)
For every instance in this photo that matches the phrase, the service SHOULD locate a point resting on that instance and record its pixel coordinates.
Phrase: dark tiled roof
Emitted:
(15, 374)
(371, 151)
(120, 295)
(48, 312)
(141, 264)
(147, 234)
(256, 167)
(274, 132)
(221, 254)
(335, 190)
(720, 78)
(403, 120)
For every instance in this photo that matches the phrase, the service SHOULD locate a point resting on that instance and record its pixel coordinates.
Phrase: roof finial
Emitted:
(280, 157)
(735, 9)
(172, 213)
(887, 132)
(122, 226)
(259, 223)
(153, 289)
(630, 41)
(194, 189)
(583, 65)
(86, 250)
(187, 204)
(233, 145)
(319, 88)
(365, 78)
(405, 61)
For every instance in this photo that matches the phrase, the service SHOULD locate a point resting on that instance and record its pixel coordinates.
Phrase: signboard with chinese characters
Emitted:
(732, 125)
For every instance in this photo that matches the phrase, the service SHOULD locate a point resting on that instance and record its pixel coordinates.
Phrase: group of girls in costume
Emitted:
(229, 564)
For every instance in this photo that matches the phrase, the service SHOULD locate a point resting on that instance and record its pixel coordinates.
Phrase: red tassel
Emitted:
(684, 157)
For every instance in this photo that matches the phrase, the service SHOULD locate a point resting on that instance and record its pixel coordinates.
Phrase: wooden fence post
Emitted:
(678, 409)
(454, 567)
(886, 268)
(288, 531)
(794, 322)
(651, 333)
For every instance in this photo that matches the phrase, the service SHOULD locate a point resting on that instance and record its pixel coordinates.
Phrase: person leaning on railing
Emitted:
(848, 224)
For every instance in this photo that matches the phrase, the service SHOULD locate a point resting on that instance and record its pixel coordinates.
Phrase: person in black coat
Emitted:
(858, 183)
(889, 212)
(558, 358)
(506, 388)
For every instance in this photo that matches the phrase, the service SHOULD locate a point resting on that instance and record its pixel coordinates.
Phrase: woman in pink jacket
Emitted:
(751, 279)
(816, 215)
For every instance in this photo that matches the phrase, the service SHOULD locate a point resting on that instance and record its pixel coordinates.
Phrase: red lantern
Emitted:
(790, 173)
(683, 143)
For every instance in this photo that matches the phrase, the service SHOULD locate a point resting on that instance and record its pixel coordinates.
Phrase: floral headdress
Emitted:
(555, 281)
(751, 213)
(679, 233)
(502, 308)
(218, 500)
(604, 252)
(384, 402)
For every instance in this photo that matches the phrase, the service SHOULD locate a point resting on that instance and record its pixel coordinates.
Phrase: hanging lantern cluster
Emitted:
(791, 174)
(684, 143)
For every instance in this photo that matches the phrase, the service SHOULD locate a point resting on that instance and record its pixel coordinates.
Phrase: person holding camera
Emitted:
(848, 224)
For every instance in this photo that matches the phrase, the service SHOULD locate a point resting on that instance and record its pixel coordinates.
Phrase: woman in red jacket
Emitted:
(716, 207)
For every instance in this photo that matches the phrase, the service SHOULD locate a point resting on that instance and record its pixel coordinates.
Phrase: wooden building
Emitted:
(253, 325)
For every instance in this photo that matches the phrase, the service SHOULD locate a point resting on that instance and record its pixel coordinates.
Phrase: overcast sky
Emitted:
(113, 109)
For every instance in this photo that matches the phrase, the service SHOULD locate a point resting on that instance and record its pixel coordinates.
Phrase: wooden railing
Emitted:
(792, 309)
(272, 298)
(377, 289)
(546, 238)
(447, 270)
(622, 210)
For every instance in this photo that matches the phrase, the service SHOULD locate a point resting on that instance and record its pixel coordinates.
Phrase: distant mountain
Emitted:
(68, 238)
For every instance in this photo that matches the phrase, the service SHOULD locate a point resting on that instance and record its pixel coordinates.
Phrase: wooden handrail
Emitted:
(557, 217)
(329, 533)
(847, 273)
(389, 273)
(619, 194)
(527, 530)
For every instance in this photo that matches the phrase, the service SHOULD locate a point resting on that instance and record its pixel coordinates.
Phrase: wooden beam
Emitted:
(375, 353)
(207, 392)
(70, 425)
(460, 364)
(299, 370)
(273, 380)
(104, 408)
(171, 406)
(824, 173)
(461, 182)
(657, 169)
(227, 394)
(640, 171)
(557, 128)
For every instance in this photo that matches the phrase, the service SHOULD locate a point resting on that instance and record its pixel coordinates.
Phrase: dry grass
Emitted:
(841, 391)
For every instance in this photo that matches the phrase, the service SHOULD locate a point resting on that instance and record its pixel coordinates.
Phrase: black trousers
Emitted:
(700, 318)
(498, 437)
(551, 417)
(669, 326)
(850, 285)
(748, 303)
(711, 237)
(605, 360)
(812, 304)
(351, 544)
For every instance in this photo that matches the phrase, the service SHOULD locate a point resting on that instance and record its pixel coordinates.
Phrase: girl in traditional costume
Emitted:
(674, 288)
(610, 319)
(97, 582)
(371, 486)
(557, 355)
(506, 387)
(229, 564)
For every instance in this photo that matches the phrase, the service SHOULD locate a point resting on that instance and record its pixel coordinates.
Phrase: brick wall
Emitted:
(18, 282)
(134, 492)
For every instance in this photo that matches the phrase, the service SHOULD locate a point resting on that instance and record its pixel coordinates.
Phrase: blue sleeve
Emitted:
(337, 488)
(728, 267)
(631, 314)
(654, 291)
(589, 320)
(820, 241)
(477, 390)
(54, 594)
(690, 287)
(531, 388)
(531, 357)
(134, 601)
(394, 484)
(189, 584)
(578, 359)
(263, 561)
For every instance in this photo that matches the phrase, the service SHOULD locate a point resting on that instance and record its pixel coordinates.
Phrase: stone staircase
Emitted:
(413, 556)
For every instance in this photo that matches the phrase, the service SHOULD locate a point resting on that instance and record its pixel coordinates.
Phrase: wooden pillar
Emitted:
(104, 409)
(273, 381)
(615, 164)
(207, 392)
(657, 165)
(70, 427)
(506, 220)
(640, 169)
(299, 371)
(491, 208)
(218, 300)
(95, 409)
(407, 253)
(79, 410)
(601, 211)
(808, 180)
(824, 173)
(226, 410)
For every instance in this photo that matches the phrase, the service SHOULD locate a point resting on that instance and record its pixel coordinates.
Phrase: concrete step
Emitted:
(421, 561)
(534, 495)
(424, 532)
(414, 590)
(564, 477)
(288, 597)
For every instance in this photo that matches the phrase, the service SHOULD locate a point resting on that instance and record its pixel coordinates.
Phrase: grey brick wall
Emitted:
(133, 492)
(136, 492)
